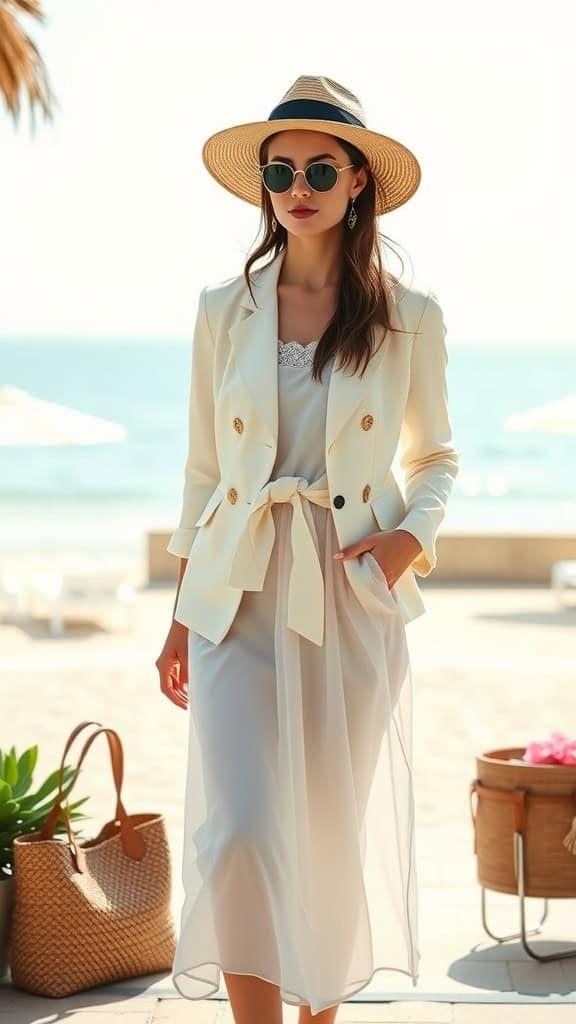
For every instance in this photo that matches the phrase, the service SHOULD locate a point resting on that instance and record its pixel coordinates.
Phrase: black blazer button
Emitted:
(338, 501)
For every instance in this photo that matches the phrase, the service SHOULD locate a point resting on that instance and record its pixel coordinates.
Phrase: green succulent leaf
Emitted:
(27, 761)
(9, 809)
(50, 785)
(25, 766)
(10, 769)
(77, 803)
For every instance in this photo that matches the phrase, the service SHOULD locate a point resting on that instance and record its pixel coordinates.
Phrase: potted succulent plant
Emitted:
(22, 812)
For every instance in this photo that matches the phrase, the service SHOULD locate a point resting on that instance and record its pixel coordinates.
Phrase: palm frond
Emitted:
(21, 65)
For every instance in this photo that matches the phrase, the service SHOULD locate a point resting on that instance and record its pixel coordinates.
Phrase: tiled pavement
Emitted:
(120, 1005)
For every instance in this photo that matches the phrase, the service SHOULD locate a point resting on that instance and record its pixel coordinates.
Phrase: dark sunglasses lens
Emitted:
(277, 177)
(321, 177)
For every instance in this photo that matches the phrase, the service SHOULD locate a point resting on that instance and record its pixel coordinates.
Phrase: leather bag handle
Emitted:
(132, 840)
(47, 830)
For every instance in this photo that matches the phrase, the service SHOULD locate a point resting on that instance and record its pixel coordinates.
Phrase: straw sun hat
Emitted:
(319, 104)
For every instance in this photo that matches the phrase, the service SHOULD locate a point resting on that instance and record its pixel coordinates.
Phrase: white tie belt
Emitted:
(252, 555)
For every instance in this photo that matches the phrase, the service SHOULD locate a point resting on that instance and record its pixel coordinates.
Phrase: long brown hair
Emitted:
(366, 286)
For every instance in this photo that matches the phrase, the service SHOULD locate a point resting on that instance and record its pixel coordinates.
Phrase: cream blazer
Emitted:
(400, 404)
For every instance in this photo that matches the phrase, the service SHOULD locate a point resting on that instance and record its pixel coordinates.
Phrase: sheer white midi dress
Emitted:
(299, 853)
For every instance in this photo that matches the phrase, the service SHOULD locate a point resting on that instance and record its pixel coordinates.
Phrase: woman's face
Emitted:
(299, 148)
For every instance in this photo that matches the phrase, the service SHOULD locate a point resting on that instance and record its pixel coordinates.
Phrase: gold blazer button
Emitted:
(366, 493)
(238, 425)
(367, 421)
(232, 495)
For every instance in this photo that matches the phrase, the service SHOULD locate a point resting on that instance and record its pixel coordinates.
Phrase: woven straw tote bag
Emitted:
(91, 912)
(537, 802)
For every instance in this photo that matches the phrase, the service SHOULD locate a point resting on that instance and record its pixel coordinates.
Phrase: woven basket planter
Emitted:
(538, 801)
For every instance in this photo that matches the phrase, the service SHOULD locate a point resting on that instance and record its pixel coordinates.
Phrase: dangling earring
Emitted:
(352, 216)
(274, 224)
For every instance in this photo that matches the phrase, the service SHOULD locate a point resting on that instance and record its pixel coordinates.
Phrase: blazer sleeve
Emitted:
(427, 455)
(201, 471)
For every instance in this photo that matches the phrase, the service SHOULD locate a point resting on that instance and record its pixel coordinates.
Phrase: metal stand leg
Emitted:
(523, 933)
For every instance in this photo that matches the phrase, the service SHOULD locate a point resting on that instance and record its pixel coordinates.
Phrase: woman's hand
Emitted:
(172, 664)
(394, 550)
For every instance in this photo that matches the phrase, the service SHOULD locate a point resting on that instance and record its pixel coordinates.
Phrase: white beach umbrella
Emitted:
(26, 420)
(557, 417)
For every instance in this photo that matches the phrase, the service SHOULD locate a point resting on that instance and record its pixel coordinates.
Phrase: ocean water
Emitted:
(104, 498)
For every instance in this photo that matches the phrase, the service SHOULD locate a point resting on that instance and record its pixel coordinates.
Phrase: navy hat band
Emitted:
(314, 109)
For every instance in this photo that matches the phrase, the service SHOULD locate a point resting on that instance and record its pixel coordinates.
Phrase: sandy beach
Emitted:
(492, 666)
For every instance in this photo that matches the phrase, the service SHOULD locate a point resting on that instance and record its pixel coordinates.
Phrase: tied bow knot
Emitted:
(252, 555)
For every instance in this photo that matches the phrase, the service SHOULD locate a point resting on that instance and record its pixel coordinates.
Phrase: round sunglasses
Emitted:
(279, 177)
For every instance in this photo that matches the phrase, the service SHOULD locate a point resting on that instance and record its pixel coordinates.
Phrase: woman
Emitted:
(298, 556)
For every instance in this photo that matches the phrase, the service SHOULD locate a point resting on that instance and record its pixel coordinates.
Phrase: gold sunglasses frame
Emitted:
(280, 163)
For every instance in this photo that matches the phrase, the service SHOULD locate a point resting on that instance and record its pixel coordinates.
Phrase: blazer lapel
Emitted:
(254, 342)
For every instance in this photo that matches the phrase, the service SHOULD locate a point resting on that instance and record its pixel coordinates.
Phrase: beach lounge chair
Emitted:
(563, 580)
(78, 595)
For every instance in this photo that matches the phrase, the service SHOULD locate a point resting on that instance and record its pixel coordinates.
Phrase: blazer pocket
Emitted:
(376, 569)
(373, 579)
(210, 507)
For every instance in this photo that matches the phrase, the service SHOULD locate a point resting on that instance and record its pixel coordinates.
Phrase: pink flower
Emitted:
(557, 749)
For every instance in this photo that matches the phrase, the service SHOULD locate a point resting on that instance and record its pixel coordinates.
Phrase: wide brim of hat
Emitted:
(231, 157)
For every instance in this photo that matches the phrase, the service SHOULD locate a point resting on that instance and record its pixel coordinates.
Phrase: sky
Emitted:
(111, 224)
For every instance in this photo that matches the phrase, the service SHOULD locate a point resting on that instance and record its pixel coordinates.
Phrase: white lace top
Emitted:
(294, 353)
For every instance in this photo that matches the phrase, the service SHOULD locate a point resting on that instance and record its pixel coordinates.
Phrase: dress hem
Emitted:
(292, 999)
